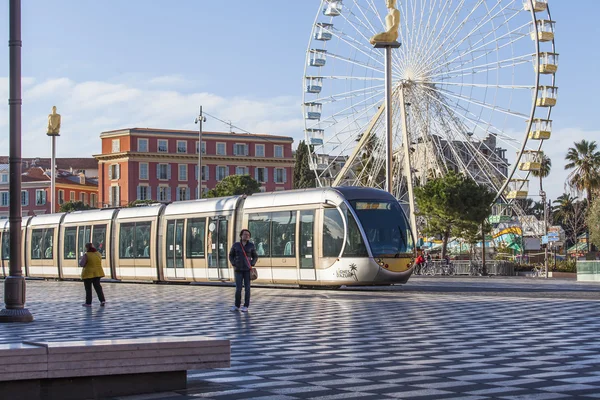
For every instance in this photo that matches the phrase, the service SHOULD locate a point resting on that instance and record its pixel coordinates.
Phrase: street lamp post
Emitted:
(14, 285)
(199, 120)
(53, 131)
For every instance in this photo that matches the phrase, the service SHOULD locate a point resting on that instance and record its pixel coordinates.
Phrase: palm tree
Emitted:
(585, 160)
(544, 170)
(563, 207)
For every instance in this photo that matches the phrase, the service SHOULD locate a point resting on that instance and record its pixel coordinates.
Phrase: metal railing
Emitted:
(466, 267)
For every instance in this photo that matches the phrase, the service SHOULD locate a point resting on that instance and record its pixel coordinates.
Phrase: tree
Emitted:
(593, 222)
(544, 170)
(235, 185)
(585, 160)
(70, 206)
(575, 222)
(450, 202)
(304, 177)
(563, 206)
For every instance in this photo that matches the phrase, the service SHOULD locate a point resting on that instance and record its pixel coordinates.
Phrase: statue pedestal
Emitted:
(391, 45)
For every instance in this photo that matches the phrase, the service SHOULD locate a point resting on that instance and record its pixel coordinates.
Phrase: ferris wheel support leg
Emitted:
(407, 165)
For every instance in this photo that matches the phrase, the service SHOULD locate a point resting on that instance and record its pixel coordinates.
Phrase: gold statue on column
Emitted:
(392, 23)
(54, 123)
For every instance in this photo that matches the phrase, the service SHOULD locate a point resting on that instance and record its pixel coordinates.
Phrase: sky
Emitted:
(151, 63)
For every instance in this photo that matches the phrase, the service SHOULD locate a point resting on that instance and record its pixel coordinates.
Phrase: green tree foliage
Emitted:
(593, 221)
(584, 159)
(304, 177)
(544, 170)
(453, 204)
(235, 185)
(70, 206)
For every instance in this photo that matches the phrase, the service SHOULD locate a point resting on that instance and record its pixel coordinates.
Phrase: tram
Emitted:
(309, 237)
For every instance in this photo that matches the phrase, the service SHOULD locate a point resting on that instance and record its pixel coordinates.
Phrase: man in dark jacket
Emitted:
(242, 256)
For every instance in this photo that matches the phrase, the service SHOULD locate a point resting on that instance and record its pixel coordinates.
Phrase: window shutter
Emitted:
(110, 197)
(196, 171)
(169, 167)
(149, 193)
(157, 171)
(266, 175)
(118, 171)
(187, 193)
(118, 195)
(139, 193)
(256, 174)
(206, 172)
(44, 197)
(235, 148)
(178, 194)
(110, 172)
(168, 194)
(246, 149)
(284, 176)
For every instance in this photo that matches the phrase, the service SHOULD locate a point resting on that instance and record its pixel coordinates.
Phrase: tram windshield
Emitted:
(385, 225)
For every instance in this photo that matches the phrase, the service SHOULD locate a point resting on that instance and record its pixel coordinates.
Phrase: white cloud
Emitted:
(91, 107)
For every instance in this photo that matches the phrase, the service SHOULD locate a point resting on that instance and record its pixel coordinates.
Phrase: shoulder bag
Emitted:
(253, 271)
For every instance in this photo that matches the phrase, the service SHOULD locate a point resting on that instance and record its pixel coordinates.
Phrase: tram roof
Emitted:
(151, 210)
(47, 219)
(5, 225)
(363, 193)
(202, 205)
(89, 215)
(300, 196)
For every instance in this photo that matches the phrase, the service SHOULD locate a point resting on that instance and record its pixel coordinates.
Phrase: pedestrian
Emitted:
(91, 262)
(243, 257)
(419, 262)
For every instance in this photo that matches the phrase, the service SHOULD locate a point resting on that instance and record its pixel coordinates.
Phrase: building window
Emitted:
(83, 198)
(241, 170)
(4, 178)
(280, 175)
(279, 151)
(164, 193)
(221, 173)
(204, 172)
(163, 171)
(183, 172)
(144, 171)
(24, 198)
(116, 145)
(261, 175)
(114, 171)
(61, 196)
(181, 146)
(203, 147)
(163, 146)
(71, 196)
(259, 149)
(240, 149)
(5, 199)
(114, 196)
(183, 193)
(221, 150)
(93, 199)
(143, 193)
(40, 197)
(143, 145)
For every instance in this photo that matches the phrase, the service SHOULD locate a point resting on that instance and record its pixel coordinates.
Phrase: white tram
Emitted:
(313, 237)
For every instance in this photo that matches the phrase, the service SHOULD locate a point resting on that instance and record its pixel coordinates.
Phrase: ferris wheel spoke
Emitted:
(349, 94)
(482, 85)
(481, 68)
(479, 103)
(430, 39)
(355, 62)
(472, 47)
(347, 113)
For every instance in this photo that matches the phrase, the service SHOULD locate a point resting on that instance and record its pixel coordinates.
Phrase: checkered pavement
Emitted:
(408, 342)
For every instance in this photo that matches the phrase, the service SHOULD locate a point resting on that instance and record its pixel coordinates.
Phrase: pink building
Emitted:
(162, 164)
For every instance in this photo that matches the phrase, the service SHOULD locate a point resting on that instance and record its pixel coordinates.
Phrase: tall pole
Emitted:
(389, 143)
(201, 118)
(408, 164)
(543, 194)
(53, 177)
(14, 285)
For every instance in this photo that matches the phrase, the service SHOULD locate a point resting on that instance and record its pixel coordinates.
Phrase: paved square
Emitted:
(434, 338)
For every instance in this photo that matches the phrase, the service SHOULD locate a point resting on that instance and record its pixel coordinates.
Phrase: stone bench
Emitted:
(105, 368)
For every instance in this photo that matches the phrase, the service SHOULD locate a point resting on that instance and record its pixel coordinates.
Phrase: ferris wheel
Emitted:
(473, 89)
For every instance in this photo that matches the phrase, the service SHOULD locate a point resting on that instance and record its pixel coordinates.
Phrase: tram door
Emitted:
(218, 251)
(307, 253)
(174, 249)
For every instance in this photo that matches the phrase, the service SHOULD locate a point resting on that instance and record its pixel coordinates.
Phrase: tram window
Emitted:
(48, 237)
(5, 245)
(283, 234)
(333, 232)
(126, 240)
(195, 238)
(142, 240)
(355, 246)
(37, 244)
(260, 226)
(70, 250)
(99, 239)
(84, 237)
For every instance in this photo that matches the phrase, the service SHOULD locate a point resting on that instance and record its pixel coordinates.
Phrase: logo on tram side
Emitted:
(347, 273)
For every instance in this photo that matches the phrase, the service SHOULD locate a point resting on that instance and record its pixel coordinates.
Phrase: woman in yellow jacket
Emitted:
(91, 274)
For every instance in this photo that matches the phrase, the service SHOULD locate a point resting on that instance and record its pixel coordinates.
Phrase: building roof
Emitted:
(38, 174)
(195, 133)
(76, 163)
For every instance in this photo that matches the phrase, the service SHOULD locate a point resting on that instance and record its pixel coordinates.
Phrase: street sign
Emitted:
(553, 239)
(544, 239)
(553, 234)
